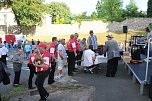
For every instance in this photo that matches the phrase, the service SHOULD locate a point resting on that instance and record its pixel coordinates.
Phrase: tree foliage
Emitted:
(149, 9)
(109, 9)
(60, 11)
(28, 12)
(132, 10)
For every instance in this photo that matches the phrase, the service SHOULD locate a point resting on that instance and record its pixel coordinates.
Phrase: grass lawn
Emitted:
(14, 92)
(101, 36)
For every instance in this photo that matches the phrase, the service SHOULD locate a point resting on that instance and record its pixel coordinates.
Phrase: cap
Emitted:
(42, 45)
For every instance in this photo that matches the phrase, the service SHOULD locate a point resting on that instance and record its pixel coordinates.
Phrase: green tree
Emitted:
(110, 10)
(94, 15)
(60, 10)
(132, 10)
(59, 20)
(149, 9)
(28, 13)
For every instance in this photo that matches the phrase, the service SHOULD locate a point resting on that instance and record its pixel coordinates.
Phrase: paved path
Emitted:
(120, 88)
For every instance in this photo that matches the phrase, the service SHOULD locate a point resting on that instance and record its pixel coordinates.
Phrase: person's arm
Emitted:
(88, 41)
(93, 56)
(60, 54)
(105, 49)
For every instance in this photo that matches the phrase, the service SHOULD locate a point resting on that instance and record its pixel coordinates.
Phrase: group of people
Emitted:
(44, 60)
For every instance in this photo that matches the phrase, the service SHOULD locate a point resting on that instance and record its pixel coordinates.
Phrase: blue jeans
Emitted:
(27, 55)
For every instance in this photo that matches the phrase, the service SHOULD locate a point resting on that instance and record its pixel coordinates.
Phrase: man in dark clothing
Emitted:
(4, 75)
(71, 55)
(53, 53)
(17, 65)
(42, 70)
(112, 50)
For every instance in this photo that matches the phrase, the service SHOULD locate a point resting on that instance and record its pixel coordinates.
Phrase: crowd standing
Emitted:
(49, 60)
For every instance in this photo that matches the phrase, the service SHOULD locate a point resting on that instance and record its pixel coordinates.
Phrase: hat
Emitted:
(42, 45)
(91, 31)
(109, 35)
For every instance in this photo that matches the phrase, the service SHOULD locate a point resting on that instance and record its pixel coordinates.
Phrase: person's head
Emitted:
(19, 52)
(84, 39)
(109, 36)
(54, 40)
(35, 51)
(32, 39)
(72, 36)
(91, 32)
(62, 41)
(147, 29)
(90, 47)
(42, 47)
(76, 35)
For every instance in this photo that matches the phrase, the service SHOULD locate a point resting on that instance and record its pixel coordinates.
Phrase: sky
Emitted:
(79, 6)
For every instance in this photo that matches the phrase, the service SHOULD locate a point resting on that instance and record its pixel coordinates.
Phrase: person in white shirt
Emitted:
(89, 58)
(61, 58)
(3, 53)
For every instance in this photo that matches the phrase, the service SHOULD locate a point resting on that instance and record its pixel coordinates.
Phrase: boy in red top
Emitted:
(53, 53)
(42, 71)
(71, 55)
(32, 68)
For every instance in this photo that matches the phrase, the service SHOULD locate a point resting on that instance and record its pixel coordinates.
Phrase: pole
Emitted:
(147, 64)
(126, 42)
(7, 28)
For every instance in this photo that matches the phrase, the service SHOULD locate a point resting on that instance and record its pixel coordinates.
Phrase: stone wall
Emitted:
(84, 27)
(133, 24)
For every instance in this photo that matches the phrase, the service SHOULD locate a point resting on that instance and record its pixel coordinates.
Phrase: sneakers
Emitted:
(16, 85)
(90, 70)
(32, 88)
(61, 75)
(58, 77)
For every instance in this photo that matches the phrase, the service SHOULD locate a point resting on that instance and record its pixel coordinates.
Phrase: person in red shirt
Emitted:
(53, 53)
(71, 55)
(42, 71)
(32, 68)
